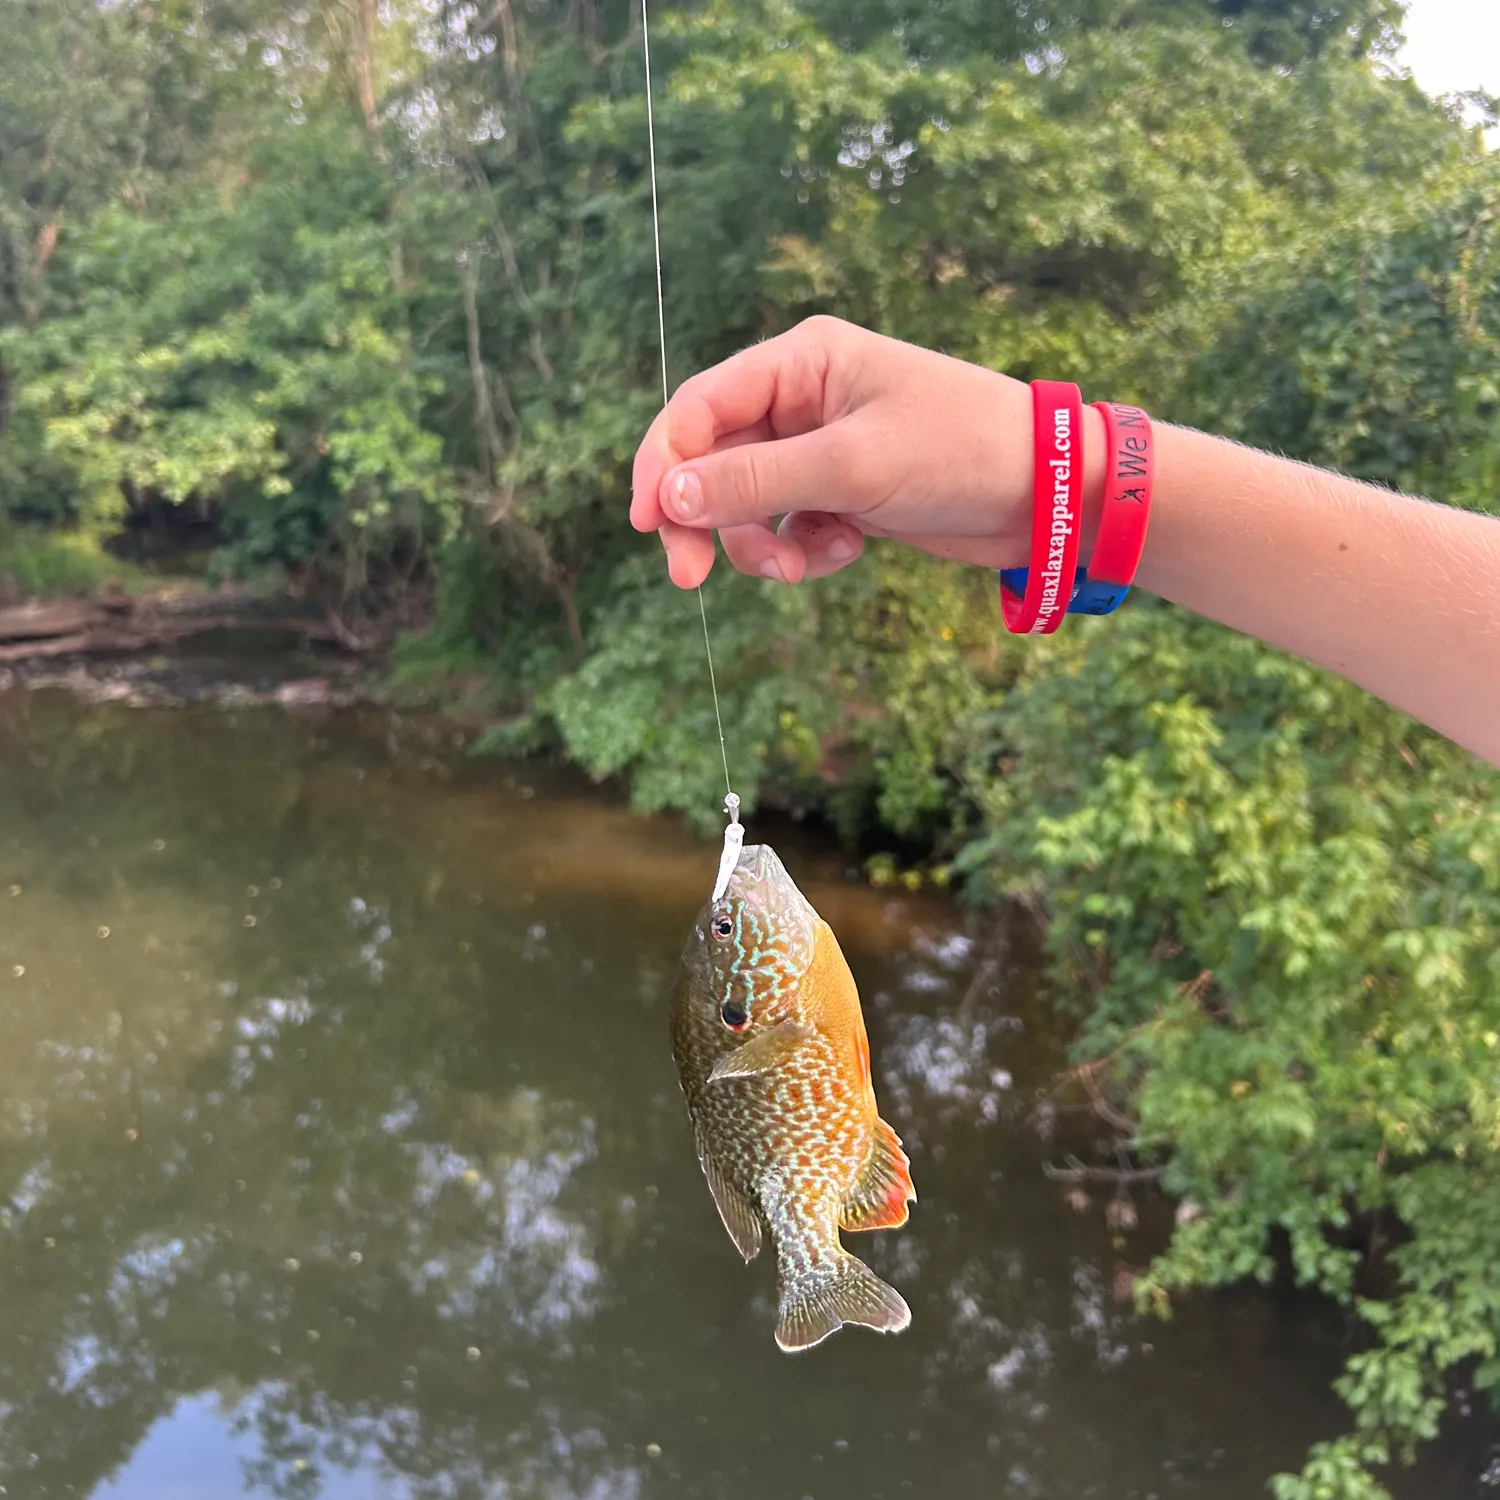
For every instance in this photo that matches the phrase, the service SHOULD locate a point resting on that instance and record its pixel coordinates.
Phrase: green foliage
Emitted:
(383, 305)
(49, 562)
(270, 371)
(1377, 351)
(1280, 898)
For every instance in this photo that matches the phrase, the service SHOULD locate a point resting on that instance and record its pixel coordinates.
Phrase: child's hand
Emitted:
(846, 434)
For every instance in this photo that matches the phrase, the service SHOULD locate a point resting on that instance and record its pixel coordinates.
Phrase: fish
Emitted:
(774, 1062)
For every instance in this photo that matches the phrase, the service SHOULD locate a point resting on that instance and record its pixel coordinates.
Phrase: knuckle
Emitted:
(687, 419)
(822, 328)
(752, 485)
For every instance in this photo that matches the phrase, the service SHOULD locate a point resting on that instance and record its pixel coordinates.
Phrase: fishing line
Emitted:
(731, 802)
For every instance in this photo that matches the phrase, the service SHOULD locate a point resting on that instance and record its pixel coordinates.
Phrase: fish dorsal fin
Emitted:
(735, 1209)
(763, 1053)
(881, 1192)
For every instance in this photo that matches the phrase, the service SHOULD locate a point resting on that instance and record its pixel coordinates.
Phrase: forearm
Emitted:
(1398, 595)
(846, 434)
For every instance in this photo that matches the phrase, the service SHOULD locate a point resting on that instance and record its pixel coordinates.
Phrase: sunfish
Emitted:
(773, 1059)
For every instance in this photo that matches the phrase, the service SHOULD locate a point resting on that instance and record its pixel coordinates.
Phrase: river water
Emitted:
(341, 1156)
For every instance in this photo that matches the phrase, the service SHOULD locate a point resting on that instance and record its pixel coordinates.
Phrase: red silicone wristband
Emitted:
(1056, 514)
(1128, 472)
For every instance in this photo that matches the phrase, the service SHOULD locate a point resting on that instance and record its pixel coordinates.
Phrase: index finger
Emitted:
(774, 389)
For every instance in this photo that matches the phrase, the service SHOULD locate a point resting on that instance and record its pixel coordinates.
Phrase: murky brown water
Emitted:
(341, 1155)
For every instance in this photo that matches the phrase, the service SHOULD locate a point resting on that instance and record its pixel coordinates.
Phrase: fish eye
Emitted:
(722, 926)
(734, 1015)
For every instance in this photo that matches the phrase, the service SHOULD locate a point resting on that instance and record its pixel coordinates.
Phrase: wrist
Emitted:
(1094, 465)
(1004, 448)
(1182, 534)
(1102, 455)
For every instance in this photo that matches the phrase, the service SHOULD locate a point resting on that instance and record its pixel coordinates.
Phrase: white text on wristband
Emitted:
(1057, 507)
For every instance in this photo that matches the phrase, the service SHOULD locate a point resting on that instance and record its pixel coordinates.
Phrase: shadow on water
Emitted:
(341, 1156)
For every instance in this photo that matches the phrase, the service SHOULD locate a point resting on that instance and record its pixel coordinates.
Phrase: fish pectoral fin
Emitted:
(762, 1053)
(738, 1213)
(881, 1192)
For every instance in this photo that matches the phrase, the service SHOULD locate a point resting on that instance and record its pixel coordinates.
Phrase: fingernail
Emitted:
(841, 549)
(771, 569)
(687, 495)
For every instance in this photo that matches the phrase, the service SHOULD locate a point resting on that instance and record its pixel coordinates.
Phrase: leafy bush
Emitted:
(1276, 901)
(51, 562)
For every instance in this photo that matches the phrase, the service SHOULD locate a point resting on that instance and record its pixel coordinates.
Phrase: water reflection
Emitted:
(341, 1156)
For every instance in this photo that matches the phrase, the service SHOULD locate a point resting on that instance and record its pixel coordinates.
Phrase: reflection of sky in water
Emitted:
(940, 1058)
(549, 1462)
(532, 1261)
(372, 923)
(205, 1451)
(525, 1268)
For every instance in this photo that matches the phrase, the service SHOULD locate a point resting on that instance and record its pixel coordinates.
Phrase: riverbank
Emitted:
(186, 644)
(113, 621)
(193, 682)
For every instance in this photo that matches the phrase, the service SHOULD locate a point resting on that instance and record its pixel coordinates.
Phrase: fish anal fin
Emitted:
(763, 1053)
(738, 1213)
(821, 1300)
(880, 1194)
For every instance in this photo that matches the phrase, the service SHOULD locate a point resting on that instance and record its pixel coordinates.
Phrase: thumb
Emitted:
(823, 470)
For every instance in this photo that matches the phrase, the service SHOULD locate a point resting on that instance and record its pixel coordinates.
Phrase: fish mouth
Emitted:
(762, 882)
(758, 872)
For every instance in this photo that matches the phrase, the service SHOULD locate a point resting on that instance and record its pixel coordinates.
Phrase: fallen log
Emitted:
(180, 601)
(46, 617)
(117, 624)
(61, 645)
(105, 641)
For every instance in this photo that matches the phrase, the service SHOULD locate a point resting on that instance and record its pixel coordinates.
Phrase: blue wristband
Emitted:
(1091, 596)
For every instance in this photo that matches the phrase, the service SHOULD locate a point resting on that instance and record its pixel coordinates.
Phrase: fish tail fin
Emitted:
(880, 1194)
(820, 1300)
